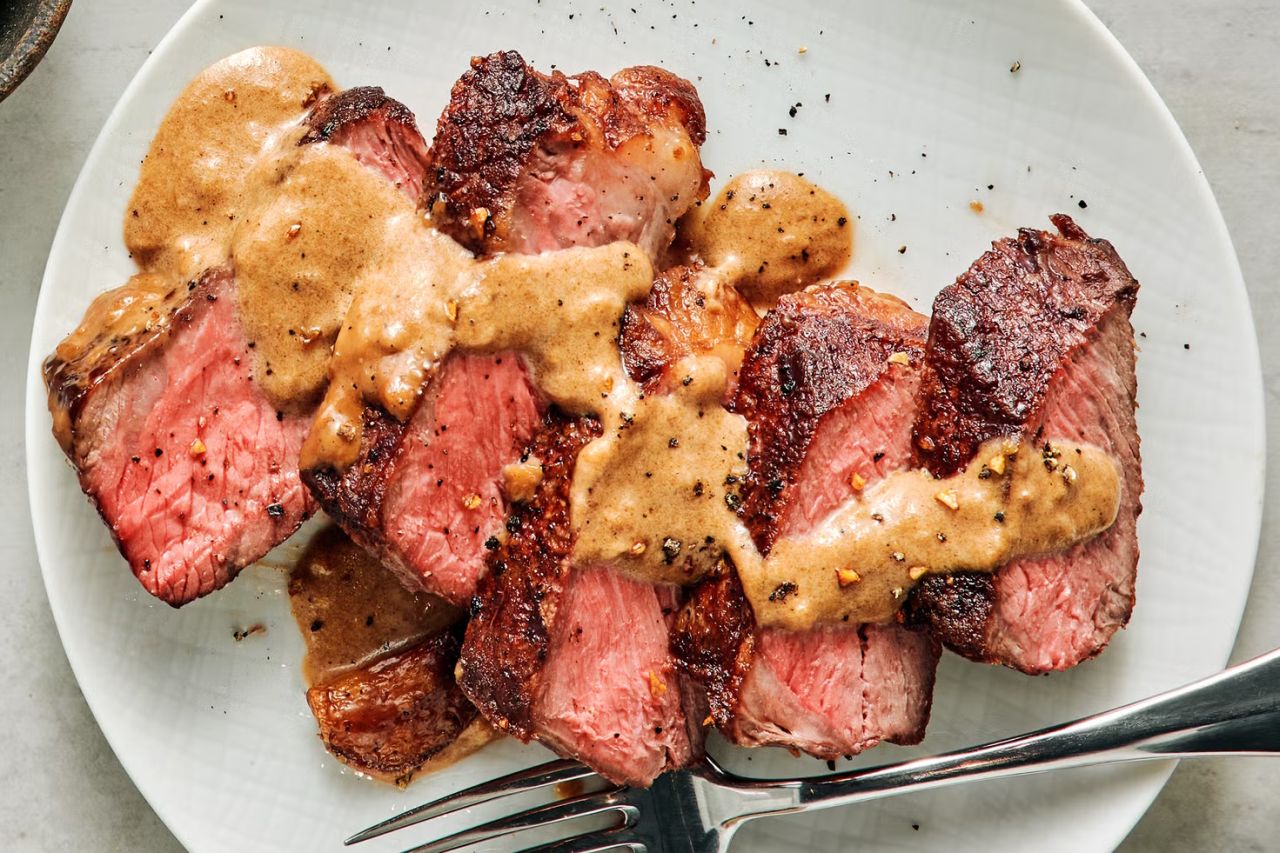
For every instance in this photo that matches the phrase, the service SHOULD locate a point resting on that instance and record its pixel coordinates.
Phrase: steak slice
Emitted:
(426, 495)
(527, 162)
(192, 469)
(505, 144)
(190, 466)
(1034, 342)
(830, 691)
(391, 717)
(380, 131)
(577, 658)
(824, 405)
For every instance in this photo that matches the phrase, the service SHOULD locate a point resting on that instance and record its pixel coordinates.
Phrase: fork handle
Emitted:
(1236, 712)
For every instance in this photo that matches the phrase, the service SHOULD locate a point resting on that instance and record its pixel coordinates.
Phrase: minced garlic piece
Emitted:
(471, 501)
(858, 482)
(947, 497)
(520, 480)
(996, 463)
(657, 687)
(900, 358)
(917, 572)
(197, 448)
(478, 219)
(638, 549)
(845, 577)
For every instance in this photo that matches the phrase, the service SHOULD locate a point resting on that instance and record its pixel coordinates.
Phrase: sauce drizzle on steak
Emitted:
(1034, 341)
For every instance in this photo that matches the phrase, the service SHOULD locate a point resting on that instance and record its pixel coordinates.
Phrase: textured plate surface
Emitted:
(908, 111)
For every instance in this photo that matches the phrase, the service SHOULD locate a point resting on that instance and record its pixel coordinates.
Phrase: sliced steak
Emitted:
(577, 658)
(825, 406)
(154, 402)
(380, 131)
(426, 495)
(1034, 342)
(190, 466)
(527, 162)
(609, 693)
(388, 719)
(824, 403)
(505, 144)
(829, 691)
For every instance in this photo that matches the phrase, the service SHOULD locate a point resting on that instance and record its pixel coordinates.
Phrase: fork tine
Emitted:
(544, 815)
(551, 773)
(588, 844)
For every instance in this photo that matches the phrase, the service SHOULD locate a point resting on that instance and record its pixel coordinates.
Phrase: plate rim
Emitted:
(36, 413)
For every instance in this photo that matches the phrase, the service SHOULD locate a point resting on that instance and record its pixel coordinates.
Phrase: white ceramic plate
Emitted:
(923, 116)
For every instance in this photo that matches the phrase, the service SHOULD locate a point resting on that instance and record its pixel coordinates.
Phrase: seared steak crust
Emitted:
(337, 114)
(387, 719)
(380, 131)
(508, 126)
(1034, 342)
(508, 637)
(813, 352)
(685, 313)
(713, 640)
(1003, 330)
(498, 111)
(353, 498)
(956, 608)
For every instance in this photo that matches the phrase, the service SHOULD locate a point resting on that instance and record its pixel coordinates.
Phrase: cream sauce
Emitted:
(859, 564)
(203, 170)
(396, 332)
(304, 225)
(653, 495)
(561, 309)
(324, 224)
(195, 180)
(352, 611)
(772, 233)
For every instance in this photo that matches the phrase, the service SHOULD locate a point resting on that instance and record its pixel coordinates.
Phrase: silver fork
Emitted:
(1236, 712)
